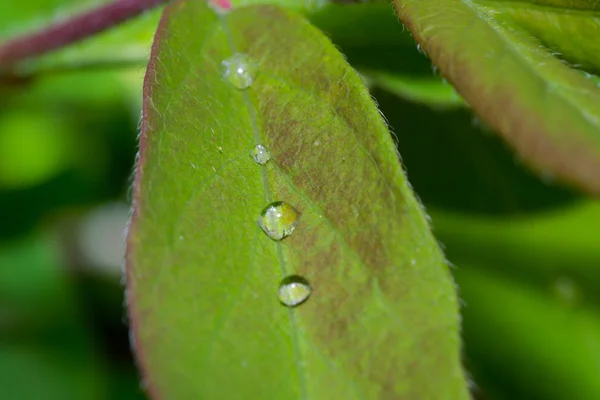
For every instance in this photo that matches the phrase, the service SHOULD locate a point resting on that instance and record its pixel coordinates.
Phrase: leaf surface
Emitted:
(382, 320)
(514, 62)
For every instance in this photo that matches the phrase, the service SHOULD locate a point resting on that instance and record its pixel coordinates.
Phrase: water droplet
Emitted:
(294, 290)
(278, 220)
(260, 154)
(413, 262)
(240, 70)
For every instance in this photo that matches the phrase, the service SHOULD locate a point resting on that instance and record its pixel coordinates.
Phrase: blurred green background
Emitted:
(524, 249)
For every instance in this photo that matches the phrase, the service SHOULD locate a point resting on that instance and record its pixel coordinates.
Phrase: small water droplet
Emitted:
(278, 220)
(413, 262)
(260, 154)
(294, 290)
(240, 70)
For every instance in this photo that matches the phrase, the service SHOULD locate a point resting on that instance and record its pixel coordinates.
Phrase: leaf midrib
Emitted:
(268, 195)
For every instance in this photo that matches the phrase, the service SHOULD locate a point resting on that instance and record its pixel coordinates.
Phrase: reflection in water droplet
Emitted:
(278, 220)
(294, 290)
(240, 70)
(260, 154)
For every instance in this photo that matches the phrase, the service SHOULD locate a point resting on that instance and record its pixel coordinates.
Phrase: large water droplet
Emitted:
(294, 290)
(240, 70)
(278, 220)
(260, 154)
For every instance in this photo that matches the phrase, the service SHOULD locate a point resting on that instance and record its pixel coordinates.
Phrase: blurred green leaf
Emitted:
(203, 278)
(529, 343)
(45, 352)
(33, 148)
(33, 289)
(503, 57)
(542, 248)
(454, 163)
(31, 372)
(96, 126)
(428, 90)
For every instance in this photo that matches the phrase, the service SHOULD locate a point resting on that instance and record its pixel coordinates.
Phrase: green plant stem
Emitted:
(72, 30)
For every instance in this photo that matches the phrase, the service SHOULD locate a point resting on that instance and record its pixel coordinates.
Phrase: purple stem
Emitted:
(72, 30)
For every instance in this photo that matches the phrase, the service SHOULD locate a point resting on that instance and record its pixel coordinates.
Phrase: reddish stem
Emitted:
(72, 30)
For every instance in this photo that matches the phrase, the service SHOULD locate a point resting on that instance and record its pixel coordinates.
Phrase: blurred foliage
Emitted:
(67, 143)
(525, 249)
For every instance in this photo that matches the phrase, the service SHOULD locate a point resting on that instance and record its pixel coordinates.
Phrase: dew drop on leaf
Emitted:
(260, 154)
(240, 70)
(278, 220)
(294, 290)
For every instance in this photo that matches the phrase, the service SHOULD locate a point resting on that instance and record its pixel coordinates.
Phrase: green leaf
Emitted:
(540, 248)
(530, 287)
(52, 373)
(46, 350)
(203, 278)
(507, 59)
(428, 90)
(33, 287)
(532, 345)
